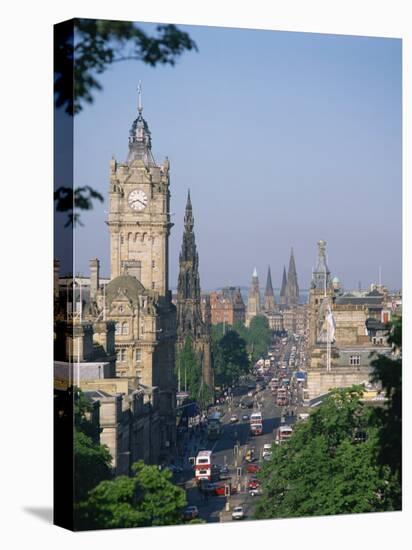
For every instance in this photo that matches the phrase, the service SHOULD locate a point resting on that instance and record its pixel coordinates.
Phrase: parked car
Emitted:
(238, 513)
(254, 492)
(245, 417)
(252, 468)
(254, 484)
(190, 512)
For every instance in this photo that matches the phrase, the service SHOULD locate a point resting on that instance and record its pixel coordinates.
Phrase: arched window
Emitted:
(125, 328)
(118, 329)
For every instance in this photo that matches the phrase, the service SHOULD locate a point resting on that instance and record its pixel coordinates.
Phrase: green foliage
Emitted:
(322, 470)
(388, 418)
(188, 364)
(92, 464)
(259, 337)
(98, 44)
(69, 201)
(145, 499)
(230, 358)
(92, 461)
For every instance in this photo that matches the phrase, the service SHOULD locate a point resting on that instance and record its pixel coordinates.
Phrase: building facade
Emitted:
(226, 306)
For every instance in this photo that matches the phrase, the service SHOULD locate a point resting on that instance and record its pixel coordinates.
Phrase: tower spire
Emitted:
(292, 287)
(139, 97)
(269, 298)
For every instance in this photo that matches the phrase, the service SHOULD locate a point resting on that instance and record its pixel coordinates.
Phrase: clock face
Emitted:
(137, 199)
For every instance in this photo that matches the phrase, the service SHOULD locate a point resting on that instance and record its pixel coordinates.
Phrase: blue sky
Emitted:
(283, 139)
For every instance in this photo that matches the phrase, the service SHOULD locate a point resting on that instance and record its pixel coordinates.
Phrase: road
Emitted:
(231, 447)
(235, 437)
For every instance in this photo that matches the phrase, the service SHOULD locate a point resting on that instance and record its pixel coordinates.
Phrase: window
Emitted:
(153, 284)
(125, 328)
(354, 360)
(118, 329)
(153, 263)
(138, 355)
(121, 355)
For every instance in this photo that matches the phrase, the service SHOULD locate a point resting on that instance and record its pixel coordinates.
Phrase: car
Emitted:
(252, 468)
(238, 512)
(233, 418)
(267, 456)
(190, 512)
(253, 484)
(254, 492)
(267, 447)
(245, 417)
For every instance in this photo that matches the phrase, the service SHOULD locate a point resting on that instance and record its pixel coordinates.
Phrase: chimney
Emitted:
(94, 278)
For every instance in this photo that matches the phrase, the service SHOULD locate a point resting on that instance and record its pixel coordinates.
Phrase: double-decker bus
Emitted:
(256, 423)
(283, 433)
(203, 465)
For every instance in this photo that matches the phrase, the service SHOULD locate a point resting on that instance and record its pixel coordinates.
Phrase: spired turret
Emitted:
(269, 302)
(292, 287)
(282, 299)
(140, 138)
(253, 303)
(189, 314)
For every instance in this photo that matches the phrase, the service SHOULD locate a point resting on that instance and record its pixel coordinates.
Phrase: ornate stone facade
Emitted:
(189, 313)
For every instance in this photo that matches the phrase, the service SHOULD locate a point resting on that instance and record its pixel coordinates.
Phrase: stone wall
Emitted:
(321, 382)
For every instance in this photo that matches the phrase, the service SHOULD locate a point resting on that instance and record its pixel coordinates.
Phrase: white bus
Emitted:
(203, 465)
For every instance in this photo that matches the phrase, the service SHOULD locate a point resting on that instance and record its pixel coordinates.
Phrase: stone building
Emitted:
(189, 313)
(355, 331)
(253, 303)
(136, 299)
(226, 306)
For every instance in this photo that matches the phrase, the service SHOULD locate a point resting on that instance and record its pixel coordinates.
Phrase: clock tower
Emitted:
(137, 298)
(139, 218)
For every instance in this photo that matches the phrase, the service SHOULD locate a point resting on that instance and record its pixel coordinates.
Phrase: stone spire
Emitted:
(321, 274)
(269, 298)
(189, 313)
(189, 281)
(253, 303)
(292, 287)
(140, 138)
(282, 300)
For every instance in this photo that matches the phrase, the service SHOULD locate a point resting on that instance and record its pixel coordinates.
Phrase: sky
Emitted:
(283, 139)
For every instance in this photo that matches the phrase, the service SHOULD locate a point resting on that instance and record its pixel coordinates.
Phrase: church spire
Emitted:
(292, 288)
(189, 220)
(282, 299)
(269, 297)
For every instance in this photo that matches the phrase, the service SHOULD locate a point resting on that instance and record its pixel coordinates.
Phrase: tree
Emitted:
(92, 461)
(146, 498)
(230, 358)
(259, 337)
(388, 419)
(78, 60)
(92, 464)
(100, 43)
(327, 467)
(188, 369)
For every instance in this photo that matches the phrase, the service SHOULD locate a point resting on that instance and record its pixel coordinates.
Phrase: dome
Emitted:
(335, 280)
(126, 285)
